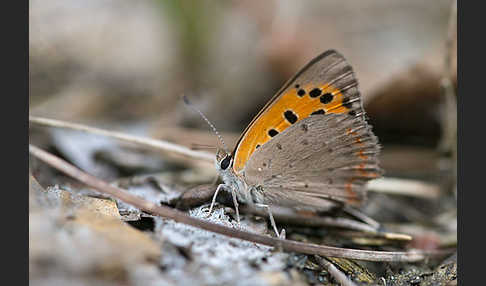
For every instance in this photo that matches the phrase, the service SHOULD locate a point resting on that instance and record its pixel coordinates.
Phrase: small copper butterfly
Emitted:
(309, 149)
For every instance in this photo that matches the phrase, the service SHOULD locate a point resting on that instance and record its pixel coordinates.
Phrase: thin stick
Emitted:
(404, 187)
(148, 142)
(363, 217)
(318, 221)
(338, 275)
(178, 216)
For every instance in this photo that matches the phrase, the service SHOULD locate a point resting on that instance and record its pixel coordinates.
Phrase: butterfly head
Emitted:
(224, 166)
(224, 160)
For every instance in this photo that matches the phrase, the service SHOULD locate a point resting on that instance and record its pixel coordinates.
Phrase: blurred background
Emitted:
(124, 65)
(129, 63)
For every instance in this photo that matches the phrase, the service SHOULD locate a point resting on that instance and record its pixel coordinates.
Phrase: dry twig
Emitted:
(319, 221)
(147, 142)
(404, 187)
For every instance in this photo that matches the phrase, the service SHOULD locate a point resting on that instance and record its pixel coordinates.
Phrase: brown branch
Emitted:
(143, 141)
(319, 221)
(178, 216)
(361, 216)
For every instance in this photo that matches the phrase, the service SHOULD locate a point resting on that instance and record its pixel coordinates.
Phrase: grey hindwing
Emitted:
(320, 159)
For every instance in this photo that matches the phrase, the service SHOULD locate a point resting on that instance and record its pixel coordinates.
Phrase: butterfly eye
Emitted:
(225, 162)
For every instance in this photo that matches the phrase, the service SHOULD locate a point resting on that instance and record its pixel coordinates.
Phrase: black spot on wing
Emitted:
(326, 98)
(290, 116)
(320, 111)
(301, 92)
(315, 92)
(272, 132)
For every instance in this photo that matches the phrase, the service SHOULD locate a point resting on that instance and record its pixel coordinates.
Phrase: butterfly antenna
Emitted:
(188, 103)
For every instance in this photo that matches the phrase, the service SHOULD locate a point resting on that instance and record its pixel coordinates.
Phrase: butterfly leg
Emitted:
(220, 186)
(235, 202)
(272, 221)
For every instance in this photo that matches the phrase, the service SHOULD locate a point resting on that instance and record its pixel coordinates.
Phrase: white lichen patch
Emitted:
(217, 259)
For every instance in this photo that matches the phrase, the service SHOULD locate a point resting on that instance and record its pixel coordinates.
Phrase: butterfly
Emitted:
(309, 148)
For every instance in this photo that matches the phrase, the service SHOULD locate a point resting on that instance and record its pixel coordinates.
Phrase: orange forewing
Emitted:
(273, 118)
